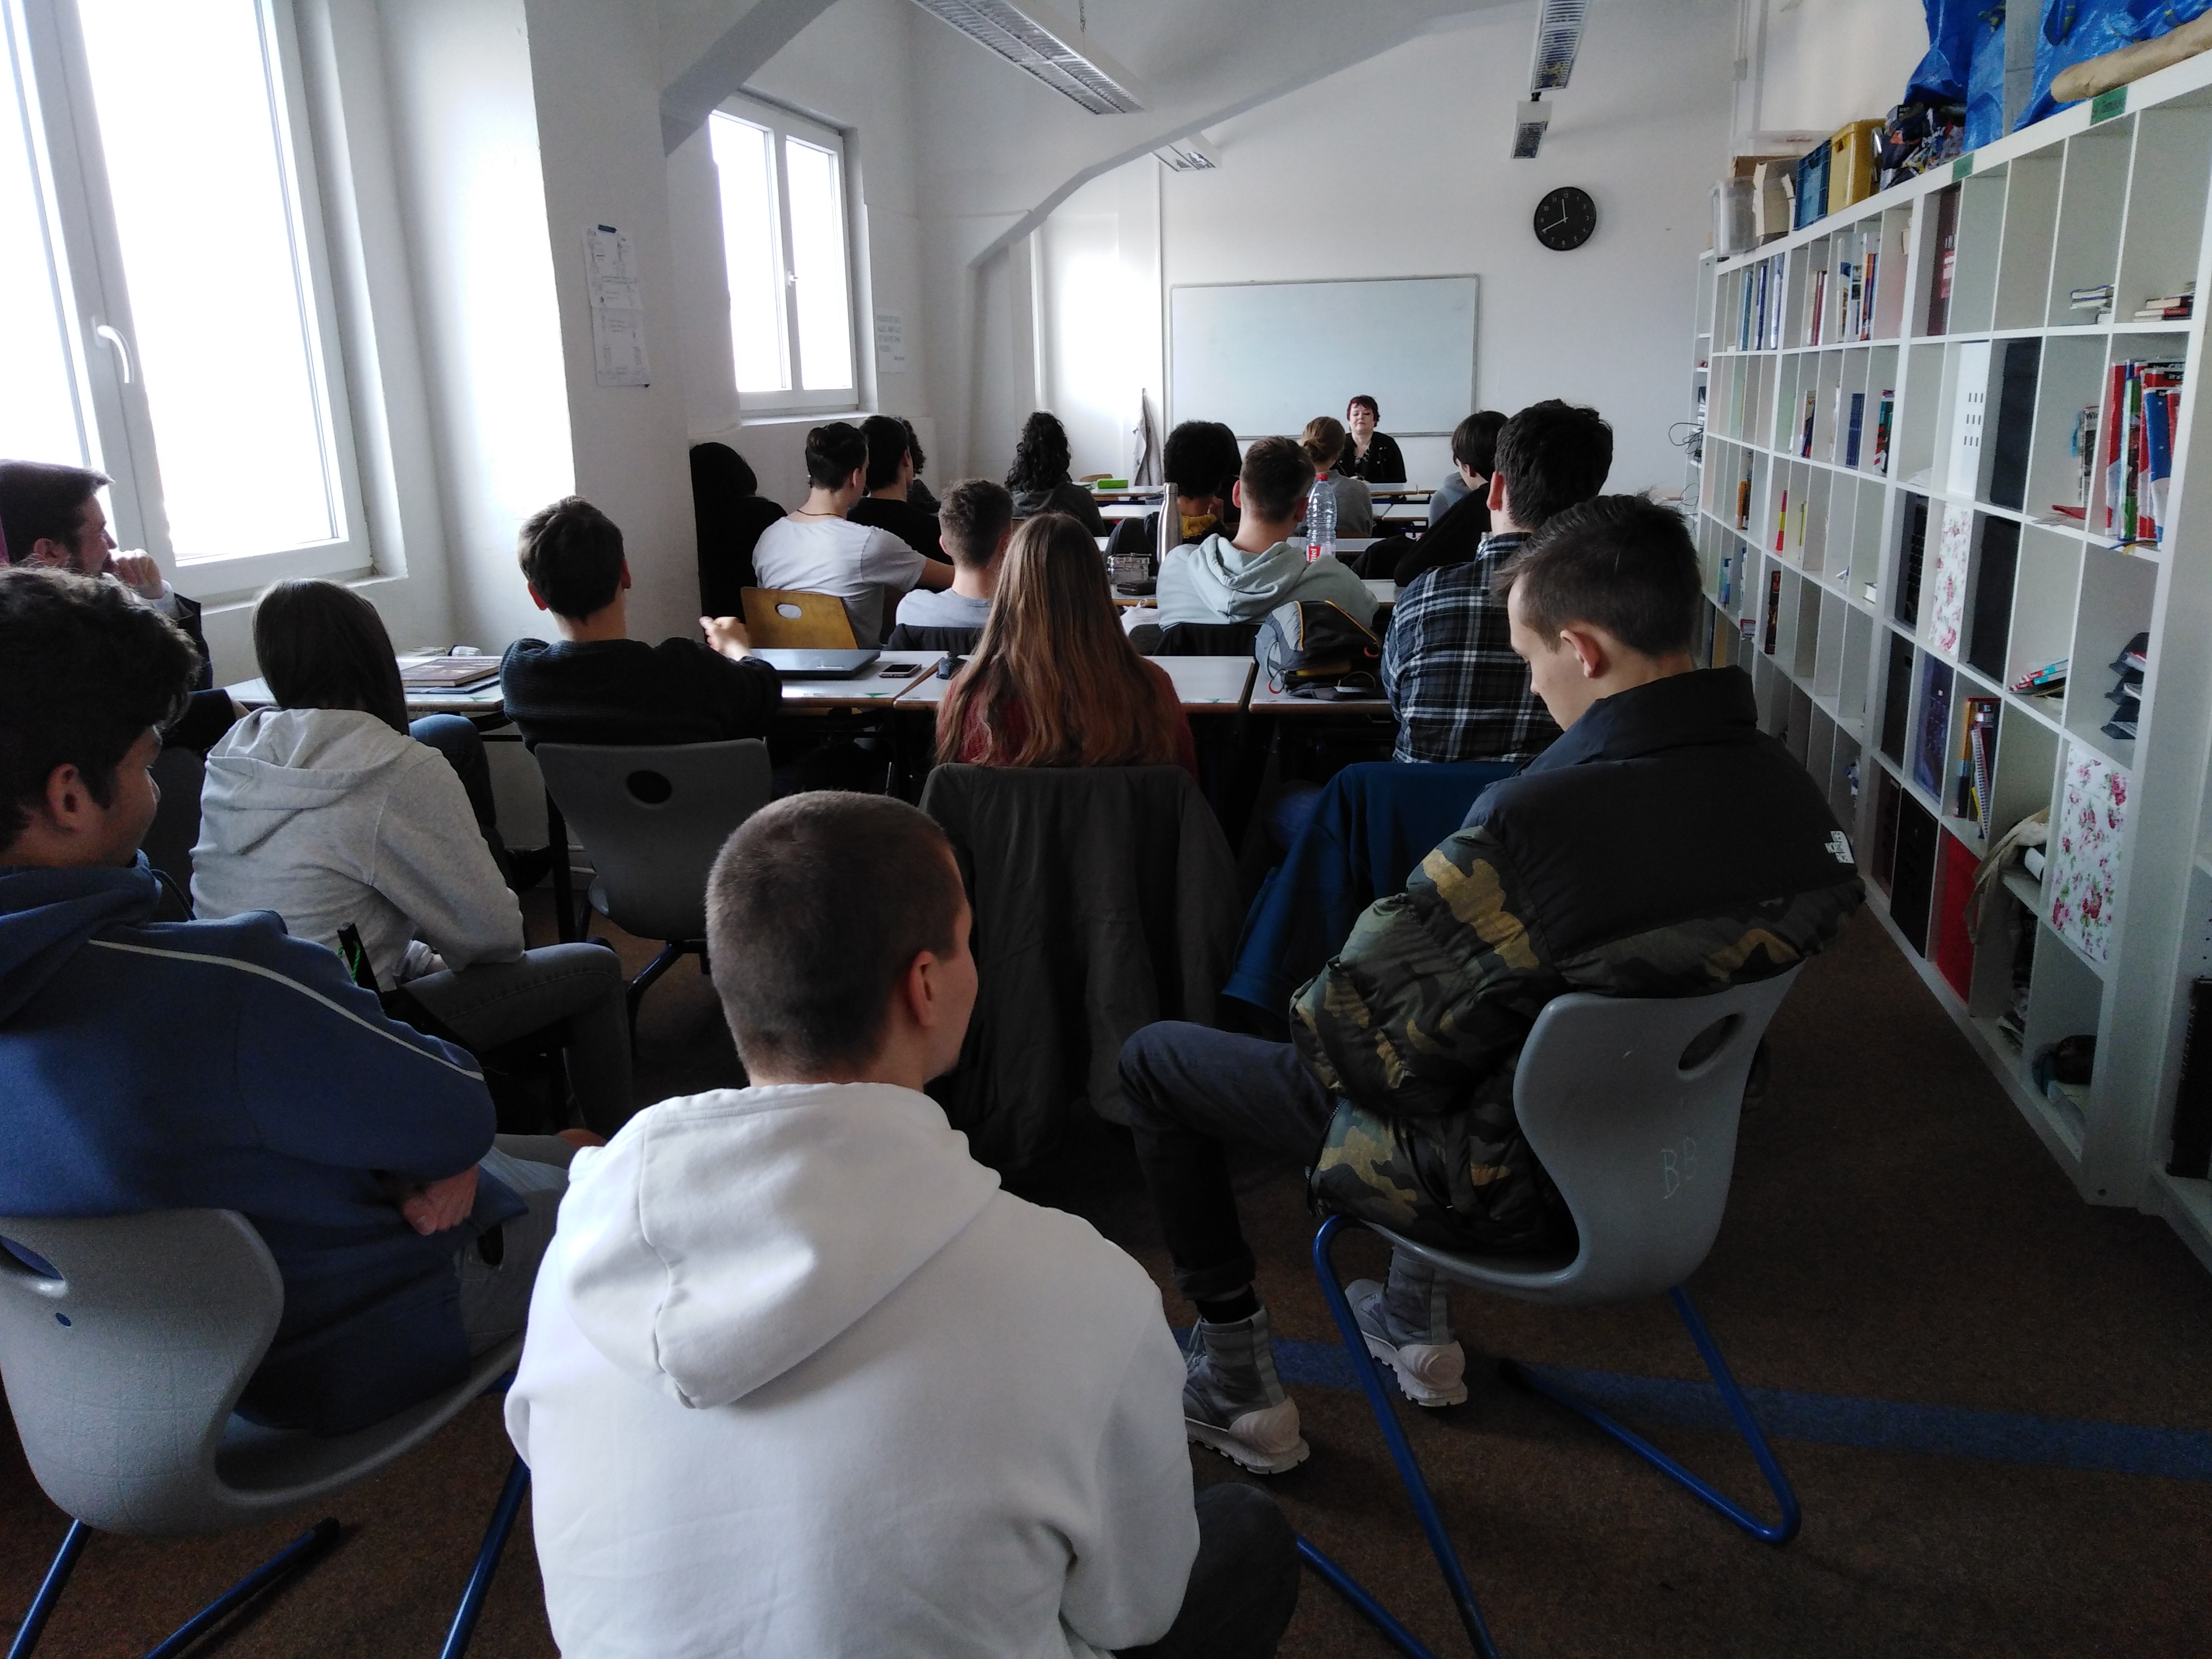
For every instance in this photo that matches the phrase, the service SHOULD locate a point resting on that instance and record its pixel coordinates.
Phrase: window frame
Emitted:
(117, 420)
(782, 124)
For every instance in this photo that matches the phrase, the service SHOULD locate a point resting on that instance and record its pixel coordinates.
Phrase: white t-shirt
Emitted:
(935, 607)
(835, 556)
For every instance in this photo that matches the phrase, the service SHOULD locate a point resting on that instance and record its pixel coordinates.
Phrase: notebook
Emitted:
(447, 673)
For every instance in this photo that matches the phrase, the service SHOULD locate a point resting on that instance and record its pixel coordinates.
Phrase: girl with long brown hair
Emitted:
(1054, 681)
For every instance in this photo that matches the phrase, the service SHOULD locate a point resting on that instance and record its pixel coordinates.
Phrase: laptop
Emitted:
(819, 665)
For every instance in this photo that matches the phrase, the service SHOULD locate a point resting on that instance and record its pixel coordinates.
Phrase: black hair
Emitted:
(1041, 456)
(815, 908)
(1201, 458)
(1552, 454)
(886, 436)
(719, 470)
(834, 451)
(571, 554)
(321, 646)
(914, 444)
(1474, 441)
(1276, 476)
(1624, 563)
(42, 501)
(974, 513)
(1360, 399)
(84, 670)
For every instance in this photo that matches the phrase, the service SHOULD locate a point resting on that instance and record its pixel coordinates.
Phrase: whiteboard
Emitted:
(1267, 357)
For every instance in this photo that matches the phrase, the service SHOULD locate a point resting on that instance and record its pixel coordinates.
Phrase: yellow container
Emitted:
(1851, 154)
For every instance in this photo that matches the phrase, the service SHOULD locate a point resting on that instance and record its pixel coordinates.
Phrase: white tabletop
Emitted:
(1266, 701)
(1384, 590)
(1207, 683)
(869, 686)
(1402, 512)
(1113, 509)
(484, 699)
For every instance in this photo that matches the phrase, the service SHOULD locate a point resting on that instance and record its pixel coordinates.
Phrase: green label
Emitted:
(2106, 105)
(1963, 166)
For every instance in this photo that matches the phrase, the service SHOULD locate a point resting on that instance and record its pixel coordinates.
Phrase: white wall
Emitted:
(1811, 65)
(1101, 290)
(1402, 163)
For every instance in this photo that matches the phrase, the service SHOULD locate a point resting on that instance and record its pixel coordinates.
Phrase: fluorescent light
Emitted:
(1034, 36)
(1558, 32)
(1195, 154)
(1528, 130)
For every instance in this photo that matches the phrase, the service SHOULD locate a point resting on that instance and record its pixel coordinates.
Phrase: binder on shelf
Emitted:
(1976, 762)
(1773, 610)
(1911, 555)
(1946, 259)
(1897, 698)
(1851, 434)
(1996, 568)
(1933, 741)
(1883, 410)
(2006, 459)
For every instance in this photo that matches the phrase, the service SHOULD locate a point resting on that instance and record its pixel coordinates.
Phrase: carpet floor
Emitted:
(1991, 1397)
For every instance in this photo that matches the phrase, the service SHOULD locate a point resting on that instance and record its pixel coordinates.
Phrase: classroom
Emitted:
(1082, 828)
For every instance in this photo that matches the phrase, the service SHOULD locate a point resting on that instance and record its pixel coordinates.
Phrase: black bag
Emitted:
(1316, 649)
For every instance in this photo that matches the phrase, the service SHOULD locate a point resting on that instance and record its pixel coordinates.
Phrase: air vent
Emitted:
(1034, 37)
(1558, 34)
(1195, 154)
(1529, 130)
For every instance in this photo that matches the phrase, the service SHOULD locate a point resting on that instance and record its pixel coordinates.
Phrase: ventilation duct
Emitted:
(1033, 37)
(1558, 34)
(1195, 154)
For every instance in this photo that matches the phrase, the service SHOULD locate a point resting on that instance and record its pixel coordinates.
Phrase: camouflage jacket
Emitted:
(1663, 847)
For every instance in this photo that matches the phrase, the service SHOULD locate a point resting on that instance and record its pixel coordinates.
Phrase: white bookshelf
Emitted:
(1809, 548)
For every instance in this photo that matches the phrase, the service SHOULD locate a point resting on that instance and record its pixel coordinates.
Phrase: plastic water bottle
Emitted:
(1321, 519)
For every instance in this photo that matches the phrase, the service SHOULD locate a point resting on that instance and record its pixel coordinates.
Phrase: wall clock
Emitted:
(1565, 218)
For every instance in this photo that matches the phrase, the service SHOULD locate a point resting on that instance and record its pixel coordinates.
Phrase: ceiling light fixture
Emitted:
(1528, 130)
(1034, 36)
(1558, 34)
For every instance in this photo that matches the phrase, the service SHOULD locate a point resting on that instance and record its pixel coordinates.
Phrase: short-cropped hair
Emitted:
(974, 513)
(1552, 454)
(1202, 458)
(84, 669)
(1474, 441)
(571, 554)
(1622, 564)
(815, 908)
(1276, 477)
(836, 450)
(42, 501)
(887, 448)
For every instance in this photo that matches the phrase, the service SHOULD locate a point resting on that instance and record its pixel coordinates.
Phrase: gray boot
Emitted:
(1233, 1401)
(1408, 1325)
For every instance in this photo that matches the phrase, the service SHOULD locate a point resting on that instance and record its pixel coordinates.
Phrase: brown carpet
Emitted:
(1895, 1234)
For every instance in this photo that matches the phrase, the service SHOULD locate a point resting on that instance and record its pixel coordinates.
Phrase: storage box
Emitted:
(1773, 198)
(1812, 186)
(1852, 154)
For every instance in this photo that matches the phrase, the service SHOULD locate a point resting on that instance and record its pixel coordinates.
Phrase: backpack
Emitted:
(1315, 648)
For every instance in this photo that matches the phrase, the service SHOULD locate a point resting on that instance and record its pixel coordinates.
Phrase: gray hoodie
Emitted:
(1214, 582)
(328, 816)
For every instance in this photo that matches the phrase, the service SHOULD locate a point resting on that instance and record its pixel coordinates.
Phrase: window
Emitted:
(782, 186)
(173, 324)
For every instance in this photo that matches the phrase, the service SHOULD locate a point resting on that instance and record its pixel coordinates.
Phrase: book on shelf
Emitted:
(1805, 436)
(2136, 428)
(1727, 580)
(2047, 681)
(2126, 695)
(1976, 762)
(2092, 297)
(2006, 461)
(2082, 448)
(1946, 259)
(1933, 741)
(1773, 610)
(1816, 308)
(2169, 307)
(1743, 497)
(1851, 432)
(1885, 409)
(1911, 556)
(1781, 519)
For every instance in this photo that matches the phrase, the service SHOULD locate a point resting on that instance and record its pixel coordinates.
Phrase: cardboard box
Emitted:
(1852, 153)
(1773, 198)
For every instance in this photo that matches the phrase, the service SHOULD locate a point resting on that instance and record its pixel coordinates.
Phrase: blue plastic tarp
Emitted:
(2075, 31)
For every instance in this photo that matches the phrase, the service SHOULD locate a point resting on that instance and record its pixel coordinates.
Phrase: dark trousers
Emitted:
(1191, 1090)
(1244, 1586)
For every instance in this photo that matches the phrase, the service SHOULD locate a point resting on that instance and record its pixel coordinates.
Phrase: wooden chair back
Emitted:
(789, 619)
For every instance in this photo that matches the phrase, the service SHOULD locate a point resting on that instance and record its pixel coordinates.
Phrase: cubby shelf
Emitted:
(1887, 589)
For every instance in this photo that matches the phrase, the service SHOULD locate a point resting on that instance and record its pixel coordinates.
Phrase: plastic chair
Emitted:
(789, 619)
(1631, 1105)
(1207, 640)
(652, 818)
(122, 1369)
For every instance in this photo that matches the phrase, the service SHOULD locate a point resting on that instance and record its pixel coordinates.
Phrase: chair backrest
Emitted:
(1208, 640)
(789, 619)
(653, 819)
(123, 1366)
(960, 641)
(1640, 1146)
(175, 830)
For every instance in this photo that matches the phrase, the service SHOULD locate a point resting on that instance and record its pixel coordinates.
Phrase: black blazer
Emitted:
(1384, 464)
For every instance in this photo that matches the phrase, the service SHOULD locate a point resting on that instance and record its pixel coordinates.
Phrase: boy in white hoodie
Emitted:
(800, 1380)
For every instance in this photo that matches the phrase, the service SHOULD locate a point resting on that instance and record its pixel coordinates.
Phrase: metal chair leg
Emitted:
(661, 964)
(50, 1591)
(1356, 1592)
(495, 1545)
(299, 1553)
(1739, 1408)
(1401, 1451)
(565, 928)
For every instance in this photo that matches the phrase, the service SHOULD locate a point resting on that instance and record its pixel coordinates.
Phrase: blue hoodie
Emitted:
(222, 1064)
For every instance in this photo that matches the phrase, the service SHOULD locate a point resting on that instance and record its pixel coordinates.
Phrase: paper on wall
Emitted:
(891, 342)
(617, 315)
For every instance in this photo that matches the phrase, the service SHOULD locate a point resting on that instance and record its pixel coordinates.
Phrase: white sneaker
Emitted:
(1233, 1401)
(1430, 1373)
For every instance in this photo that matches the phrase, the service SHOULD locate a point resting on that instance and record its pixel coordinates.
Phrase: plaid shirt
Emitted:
(1450, 671)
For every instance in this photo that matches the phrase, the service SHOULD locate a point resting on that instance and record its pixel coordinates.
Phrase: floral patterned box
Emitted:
(2087, 840)
(1947, 605)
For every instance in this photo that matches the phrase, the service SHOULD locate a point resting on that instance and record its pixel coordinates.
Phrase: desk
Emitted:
(1403, 513)
(1399, 492)
(870, 688)
(485, 703)
(1204, 685)
(1112, 509)
(1384, 590)
(1265, 700)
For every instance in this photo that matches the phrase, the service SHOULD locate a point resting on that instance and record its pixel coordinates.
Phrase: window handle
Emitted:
(108, 332)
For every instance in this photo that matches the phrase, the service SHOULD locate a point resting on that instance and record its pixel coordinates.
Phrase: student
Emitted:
(1039, 476)
(1324, 442)
(916, 491)
(887, 505)
(1054, 681)
(1457, 522)
(1201, 458)
(978, 520)
(820, 549)
(801, 1379)
(1368, 453)
(221, 1065)
(1664, 847)
(324, 811)
(1242, 580)
(729, 512)
(596, 685)
(1448, 667)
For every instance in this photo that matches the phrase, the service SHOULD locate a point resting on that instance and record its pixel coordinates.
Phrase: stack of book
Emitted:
(1977, 763)
(2126, 695)
(1882, 412)
(2169, 307)
(2097, 300)
(2141, 404)
(2048, 681)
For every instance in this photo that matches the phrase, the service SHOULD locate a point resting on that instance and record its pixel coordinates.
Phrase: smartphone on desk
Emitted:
(900, 670)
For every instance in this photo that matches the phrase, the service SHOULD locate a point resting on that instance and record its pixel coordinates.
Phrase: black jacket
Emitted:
(626, 691)
(1384, 463)
(910, 523)
(725, 553)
